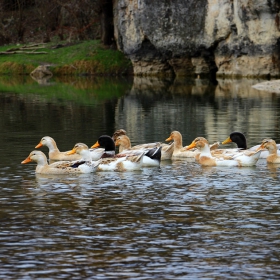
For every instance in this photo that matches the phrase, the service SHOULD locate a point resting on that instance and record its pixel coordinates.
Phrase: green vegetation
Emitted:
(83, 58)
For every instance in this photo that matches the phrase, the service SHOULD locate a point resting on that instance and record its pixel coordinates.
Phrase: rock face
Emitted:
(205, 37)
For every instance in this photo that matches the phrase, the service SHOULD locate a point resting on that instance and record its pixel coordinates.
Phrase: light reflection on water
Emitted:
(179, 221)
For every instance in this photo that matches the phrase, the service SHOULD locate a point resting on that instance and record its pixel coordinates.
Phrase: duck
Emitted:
(124, 144)
(271, 146)
(82, 150)
(151, 157)
(118, 133)
(182, 152)
(54, 152)
(166, 152)
(179, 151)
(120, 163)
(107, 144)
(240, 140)
(62, 167)
(56, 155)
(205, 158)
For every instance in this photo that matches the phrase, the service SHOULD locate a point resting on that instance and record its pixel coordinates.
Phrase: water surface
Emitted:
(179, 221)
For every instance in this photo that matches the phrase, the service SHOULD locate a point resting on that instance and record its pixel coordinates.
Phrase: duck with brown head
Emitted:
(205, 158)
(270, 145)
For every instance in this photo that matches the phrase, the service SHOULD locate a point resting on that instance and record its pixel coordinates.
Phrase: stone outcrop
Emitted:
(205, 37)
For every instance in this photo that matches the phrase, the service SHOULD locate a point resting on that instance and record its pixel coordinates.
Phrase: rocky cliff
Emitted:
(200, 37)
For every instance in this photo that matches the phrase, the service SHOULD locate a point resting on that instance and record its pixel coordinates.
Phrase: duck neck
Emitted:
(205, 151)
(52, 147)
(178, 143)
(243, 145)
(41, 163)
(240, 140)
(272, 149)
(125, 145)
(110, 147)
(108, 154)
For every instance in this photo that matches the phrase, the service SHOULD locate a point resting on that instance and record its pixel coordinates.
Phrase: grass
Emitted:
(83, 58)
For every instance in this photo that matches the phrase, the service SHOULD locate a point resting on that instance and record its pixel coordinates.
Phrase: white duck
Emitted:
(62, 167)
(205, 158)
(56, 155)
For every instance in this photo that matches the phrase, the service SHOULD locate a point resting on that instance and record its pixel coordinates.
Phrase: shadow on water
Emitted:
(179, 221)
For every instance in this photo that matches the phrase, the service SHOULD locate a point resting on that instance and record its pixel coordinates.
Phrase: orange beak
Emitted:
(261, 147)
(96, 145)
(73, 151)
(191, 146)
(169, 139)
(28, 159)
(39, 145)
(228, 140)
(117, 143)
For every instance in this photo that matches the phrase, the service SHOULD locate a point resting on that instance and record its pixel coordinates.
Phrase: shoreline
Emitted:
(271, 86)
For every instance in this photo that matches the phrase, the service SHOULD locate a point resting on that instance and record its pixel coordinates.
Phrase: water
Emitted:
(179, 221)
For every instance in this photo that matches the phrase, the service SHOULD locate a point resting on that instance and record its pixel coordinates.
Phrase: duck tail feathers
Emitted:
(140, 157)
(154, 153)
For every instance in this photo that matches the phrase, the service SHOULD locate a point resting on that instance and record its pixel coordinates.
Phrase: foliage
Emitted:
(86, 58)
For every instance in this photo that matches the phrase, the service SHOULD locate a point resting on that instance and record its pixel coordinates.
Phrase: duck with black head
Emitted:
(107, 143)
(240, 140)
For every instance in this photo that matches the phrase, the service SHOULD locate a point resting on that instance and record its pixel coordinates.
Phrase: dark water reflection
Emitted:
(177, 222)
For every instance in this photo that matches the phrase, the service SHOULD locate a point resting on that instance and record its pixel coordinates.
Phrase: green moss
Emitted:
(88, 57)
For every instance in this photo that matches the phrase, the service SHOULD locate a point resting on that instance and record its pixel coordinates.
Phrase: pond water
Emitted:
(179, 221)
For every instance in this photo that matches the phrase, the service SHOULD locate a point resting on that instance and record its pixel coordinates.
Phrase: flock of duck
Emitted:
(102, 155)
